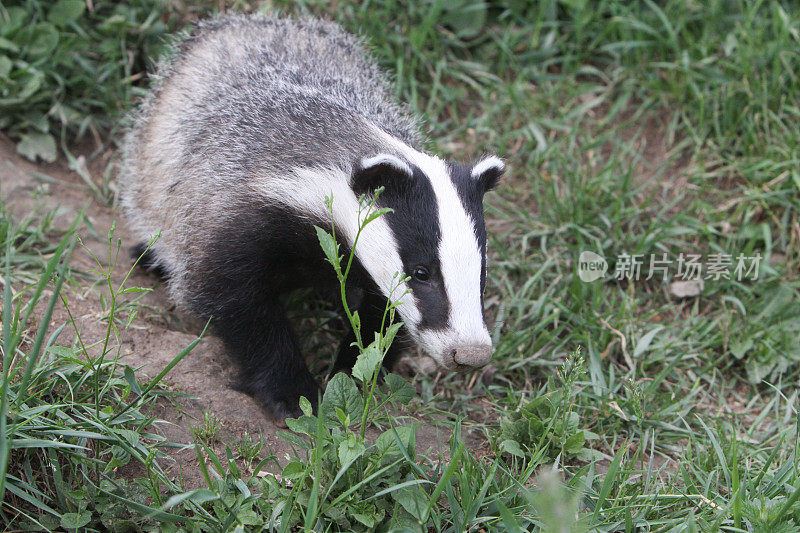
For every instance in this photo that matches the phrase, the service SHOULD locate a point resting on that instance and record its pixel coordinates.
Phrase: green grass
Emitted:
(70, 413)
(629, 127)
(69, 69)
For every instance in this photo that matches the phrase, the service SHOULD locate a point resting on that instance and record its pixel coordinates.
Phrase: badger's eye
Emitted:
(421, 274)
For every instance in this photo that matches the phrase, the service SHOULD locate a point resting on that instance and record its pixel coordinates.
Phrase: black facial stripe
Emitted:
(471, 197)
(415, 225)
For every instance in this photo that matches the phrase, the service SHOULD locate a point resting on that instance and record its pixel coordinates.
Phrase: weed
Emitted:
(546, 428)
(206, 431)
(250, 448)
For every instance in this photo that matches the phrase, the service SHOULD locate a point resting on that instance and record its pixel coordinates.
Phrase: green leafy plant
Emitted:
(206, 430)
(764, 335)
(67, 66)
(346, 465)
(250, 448)
(546, 428)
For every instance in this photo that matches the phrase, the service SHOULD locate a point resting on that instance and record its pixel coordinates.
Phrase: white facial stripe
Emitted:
(460, 261)
(386, 159)
(305, 189)
(486, 164)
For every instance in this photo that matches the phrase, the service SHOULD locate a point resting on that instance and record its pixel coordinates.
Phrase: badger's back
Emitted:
(240, 99)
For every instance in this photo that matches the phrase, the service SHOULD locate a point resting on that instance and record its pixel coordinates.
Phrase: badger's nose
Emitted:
(473, 355)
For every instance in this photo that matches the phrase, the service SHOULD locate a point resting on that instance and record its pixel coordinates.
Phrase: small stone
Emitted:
(686, 289)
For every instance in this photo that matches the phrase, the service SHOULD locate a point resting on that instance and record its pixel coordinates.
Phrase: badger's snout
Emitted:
(471, 355)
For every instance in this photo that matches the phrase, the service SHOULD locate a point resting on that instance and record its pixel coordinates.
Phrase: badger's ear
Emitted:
(382, 170)
(487, 172)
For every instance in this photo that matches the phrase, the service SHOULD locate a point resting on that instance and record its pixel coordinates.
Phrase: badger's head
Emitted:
(436, 236)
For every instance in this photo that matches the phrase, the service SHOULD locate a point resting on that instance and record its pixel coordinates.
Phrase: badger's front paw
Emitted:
(285, 404)
(281, 411)
(280, 394)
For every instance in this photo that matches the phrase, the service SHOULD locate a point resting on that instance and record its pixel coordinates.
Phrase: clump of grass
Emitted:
(31, 240)
(250, 448)
(69, 418)
(207, 430)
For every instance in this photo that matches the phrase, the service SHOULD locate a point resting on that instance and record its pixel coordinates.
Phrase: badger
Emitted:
(253, 120)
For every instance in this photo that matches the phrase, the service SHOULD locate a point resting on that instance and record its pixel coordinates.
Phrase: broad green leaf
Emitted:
(413, 499)
(466, 17)
(293, 470)
(33, 145)
(330, 247)
(66, 11)
(12, 20)
(401, 520)
(387, 444)
(535, 429)
(33, 82)
(512, 447)
(75, 520)
(369, 515)
(739, 348)
(249, 517)
(42, 39)
(305, 406)
(368, 363)
(342, 417)
(400, 390)
(349, 449)
(588, 455)
(390, 334)
(575, 442)
(49, 522)
(130, 436)
(573, 421)
(305, 424)
(341, 393)
(757, 371)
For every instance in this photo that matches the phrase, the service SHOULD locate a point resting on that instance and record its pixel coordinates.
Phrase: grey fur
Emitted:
(243, 97)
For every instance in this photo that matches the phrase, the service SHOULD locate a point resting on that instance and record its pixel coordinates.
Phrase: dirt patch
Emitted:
(206, 376)
(661, 164)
